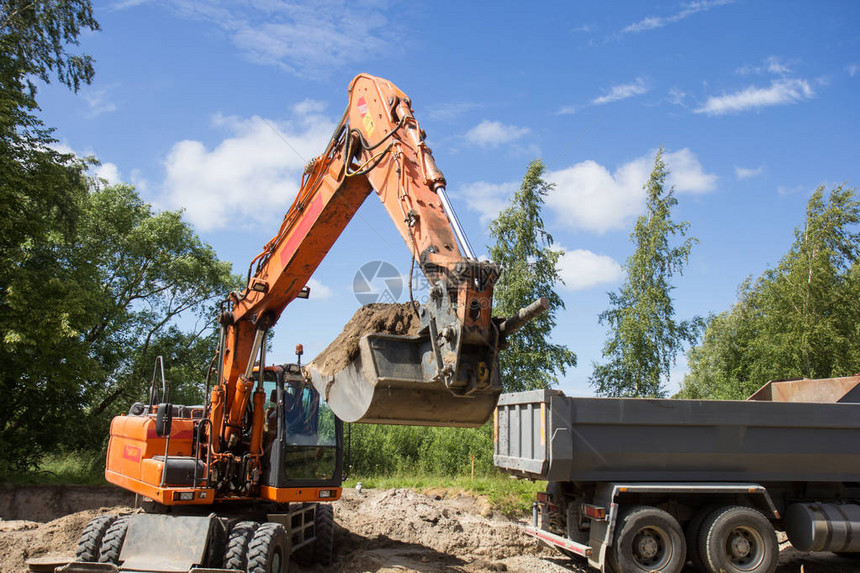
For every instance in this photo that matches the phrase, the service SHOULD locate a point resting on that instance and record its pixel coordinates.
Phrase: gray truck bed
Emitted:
(546, 435)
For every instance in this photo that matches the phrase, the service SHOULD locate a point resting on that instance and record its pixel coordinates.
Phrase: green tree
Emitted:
(523, 250)
(129, 284)
(42, 193)
(797, 320)
(645, 338)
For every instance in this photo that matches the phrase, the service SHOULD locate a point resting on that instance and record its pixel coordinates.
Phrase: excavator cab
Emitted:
(303, 441)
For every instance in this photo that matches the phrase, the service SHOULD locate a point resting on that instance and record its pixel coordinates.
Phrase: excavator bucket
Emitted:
(393, 380)
(401, 364)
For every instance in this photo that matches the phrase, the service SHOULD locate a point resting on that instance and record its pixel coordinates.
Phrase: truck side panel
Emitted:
(611, 439)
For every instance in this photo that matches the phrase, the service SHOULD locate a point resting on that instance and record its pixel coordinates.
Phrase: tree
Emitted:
(42, 193)
(529, 264)
(797, 320)
(645, 337)
(34, 36)
(129, 284)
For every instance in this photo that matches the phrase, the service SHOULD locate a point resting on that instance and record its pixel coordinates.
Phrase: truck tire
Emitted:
(694, 526)
(236, 550)
(112, 541)
(648, 540)
(324, 533)
(90, 541)
(269, 550)
(738, 539)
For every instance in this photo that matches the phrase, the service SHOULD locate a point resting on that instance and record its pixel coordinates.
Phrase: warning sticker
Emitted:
(368, 124)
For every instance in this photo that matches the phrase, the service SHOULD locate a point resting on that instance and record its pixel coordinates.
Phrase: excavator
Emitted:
(240, 482)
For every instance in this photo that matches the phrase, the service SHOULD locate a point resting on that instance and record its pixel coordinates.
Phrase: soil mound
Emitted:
(22, 540)
(377, 318)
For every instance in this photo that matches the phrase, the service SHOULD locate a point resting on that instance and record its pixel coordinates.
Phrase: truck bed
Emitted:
(544, 434)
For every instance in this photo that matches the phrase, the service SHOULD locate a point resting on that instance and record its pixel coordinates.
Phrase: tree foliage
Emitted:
(125, 287)
(523, 250)
(796, 320)
(645, 338)
(35, 36)
(92, 281)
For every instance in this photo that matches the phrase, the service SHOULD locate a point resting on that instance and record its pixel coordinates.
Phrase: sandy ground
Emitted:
(388, 531)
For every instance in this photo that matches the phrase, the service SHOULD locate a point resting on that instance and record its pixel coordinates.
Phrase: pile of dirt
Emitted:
(377, 318)
(388, 531)
(22, 540)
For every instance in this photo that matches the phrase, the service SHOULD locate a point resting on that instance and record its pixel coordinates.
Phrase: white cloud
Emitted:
(488, 199)
(852, 69)
(777, 67)
(308, 39)
(780, 92)
(98, 101)
(566, 110)
(104, 170)
(494, 133)
(771, 65)
(109, 172)
(450, 110)
(582, 270)
(743, 173)
(622, 91)
(654, 22)
(318, 290)
(588, 196)
(677, 96)
(251, 176)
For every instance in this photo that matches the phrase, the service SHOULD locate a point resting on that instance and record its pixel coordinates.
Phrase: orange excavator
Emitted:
(236, 484)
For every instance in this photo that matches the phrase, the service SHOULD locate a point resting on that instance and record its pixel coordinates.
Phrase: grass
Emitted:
(509, 496)
(512, 497)
(74, 468)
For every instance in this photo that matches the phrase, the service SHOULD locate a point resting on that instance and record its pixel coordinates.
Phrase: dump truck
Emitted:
(647, 485)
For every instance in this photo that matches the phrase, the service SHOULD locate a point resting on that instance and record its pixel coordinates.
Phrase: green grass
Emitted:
(512, 497)
(509, 496)
(78, 468)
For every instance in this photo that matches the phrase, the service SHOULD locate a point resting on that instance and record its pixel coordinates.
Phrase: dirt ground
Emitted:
(388, 531)
(378, 318)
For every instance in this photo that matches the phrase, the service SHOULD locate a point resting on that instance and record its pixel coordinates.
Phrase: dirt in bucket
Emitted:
(377, 318)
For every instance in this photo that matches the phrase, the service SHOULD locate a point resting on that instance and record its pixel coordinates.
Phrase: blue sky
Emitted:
(214, 107)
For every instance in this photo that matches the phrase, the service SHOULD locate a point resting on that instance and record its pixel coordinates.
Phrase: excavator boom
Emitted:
(448, 374)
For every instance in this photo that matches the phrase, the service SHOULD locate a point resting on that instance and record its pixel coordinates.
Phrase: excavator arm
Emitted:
(448, 374)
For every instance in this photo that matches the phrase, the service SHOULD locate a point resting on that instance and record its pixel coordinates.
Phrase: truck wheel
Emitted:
(649, 540)
(236, 551)
(113, 540)
(324, 533)
(269, 550)
(692, 534)
(738, 539)
(90, 541)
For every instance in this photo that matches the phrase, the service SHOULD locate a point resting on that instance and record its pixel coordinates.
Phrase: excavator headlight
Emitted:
(326, 493)
(183, 495)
